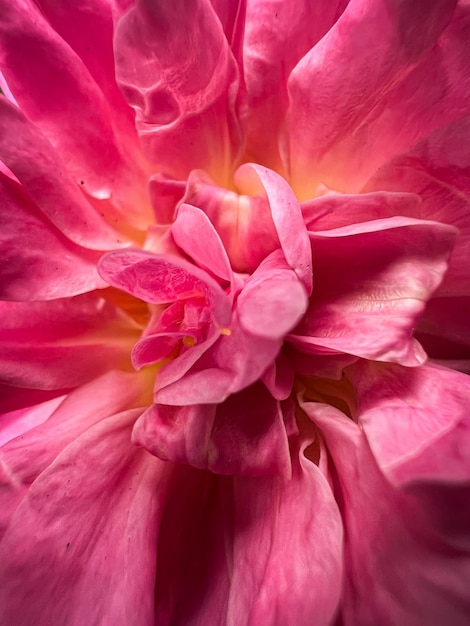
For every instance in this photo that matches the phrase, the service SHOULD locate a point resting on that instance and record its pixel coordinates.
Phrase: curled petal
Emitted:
(372, 281)
(184, 105)
(243, 435)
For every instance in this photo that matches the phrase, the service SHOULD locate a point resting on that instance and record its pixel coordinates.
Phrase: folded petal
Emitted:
(47, 345)
(438, 169)
(287, 550)
(276, 39)
(32, 159)
(161, 279)
(286, 215)
(402, 564)
(34, 55)
(243, 435)
(372, 281)
(186, 107)
(416, 421)
(322, 124)
(194, 234)
(26, 272)
(63, 555)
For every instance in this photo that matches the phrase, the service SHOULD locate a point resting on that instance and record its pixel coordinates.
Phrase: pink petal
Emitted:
(40, 170)
(29, 274)
(286, 215)
(402, 562)
(232, 363)
(243, 435)
(194, 234)
(438, 168)
(163, 279)
(434, 93)
(184, 105)
(444, 328)
(412, 432)
(17, 422)
(322, 126)
(47, 345)
(272, 301)
(63, 555)
(244, 223)
(372, 281)
(335, 210)
(276, 39)
(287, 550)
(35, 55)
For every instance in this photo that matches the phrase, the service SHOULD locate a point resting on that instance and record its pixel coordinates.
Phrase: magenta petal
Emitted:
(194, 234)
(402, 558)
(185, 106)
(40, 170)
(372, 281)
(286, 214)
(243, 435)
(28, 273)
(47, 345)
(163, 279)
(414, 433)
(63, 555)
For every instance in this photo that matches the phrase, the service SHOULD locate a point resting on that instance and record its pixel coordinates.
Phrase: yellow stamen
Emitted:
(189, 341)
(225, 331)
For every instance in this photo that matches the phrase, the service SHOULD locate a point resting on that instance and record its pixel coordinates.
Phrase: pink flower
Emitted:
(235, 304)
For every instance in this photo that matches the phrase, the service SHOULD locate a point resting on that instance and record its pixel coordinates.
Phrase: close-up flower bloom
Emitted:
(235, 313)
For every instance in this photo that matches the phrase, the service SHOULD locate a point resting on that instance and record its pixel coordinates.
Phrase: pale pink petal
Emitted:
(243, 435)
(286, 214)
(322, 125)
(163, 279)
(194, 234)
(34, 55)
(70, 540)
(416, 421)
(372, 281)
(276, 39)
(287, 551)
(32, 159)
(403, 564)
(47, 345)
(26, 272)
(186, 105)
(438, 169)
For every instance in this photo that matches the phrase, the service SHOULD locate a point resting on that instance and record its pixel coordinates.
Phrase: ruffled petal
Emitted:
(26, 272)
(372, 281)
(338, 84)
(243, 435)
(63, 555)
(186, 107)
(287, 550)
(413, 433)
(47, 345)
(438, 169)
(40, 170)
(56, 92)
(402, 563)
(276, 39)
